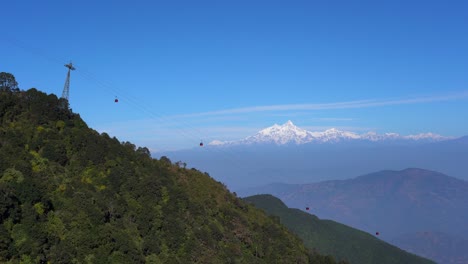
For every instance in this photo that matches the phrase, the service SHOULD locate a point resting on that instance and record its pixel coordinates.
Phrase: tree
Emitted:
(165, 160)
(8, 82)
(144, 151)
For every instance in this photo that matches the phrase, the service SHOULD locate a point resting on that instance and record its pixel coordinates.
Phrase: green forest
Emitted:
(69, 194)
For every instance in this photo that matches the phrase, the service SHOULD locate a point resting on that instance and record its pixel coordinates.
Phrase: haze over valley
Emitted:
(422, 211)
(289, 154)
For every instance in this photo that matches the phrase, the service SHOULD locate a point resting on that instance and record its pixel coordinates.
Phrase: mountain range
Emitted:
(332, 238)
(247, 165)
(397, 204)
(288, 133)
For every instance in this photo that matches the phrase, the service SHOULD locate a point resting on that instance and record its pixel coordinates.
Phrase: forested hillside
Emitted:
(71, 195)
(330, 237)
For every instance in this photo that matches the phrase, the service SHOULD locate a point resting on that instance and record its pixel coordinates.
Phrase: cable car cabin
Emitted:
(377, 233)
(116, 100)
(307, 208)
(201, 144)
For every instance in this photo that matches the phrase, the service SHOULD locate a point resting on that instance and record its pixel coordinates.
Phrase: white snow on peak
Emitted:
(289, 123)
(425, 136)
(288, 133)
(280, 135)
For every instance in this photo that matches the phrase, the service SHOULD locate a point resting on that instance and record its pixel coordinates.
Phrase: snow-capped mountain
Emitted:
(280, 135)
(288, 133)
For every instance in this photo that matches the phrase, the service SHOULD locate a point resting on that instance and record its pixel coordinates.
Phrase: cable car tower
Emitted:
(66, 87)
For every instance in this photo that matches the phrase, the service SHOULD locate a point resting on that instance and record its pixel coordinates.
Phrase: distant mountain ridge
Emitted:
(330, 237)
(288, 133)
(395, 203)
(268, 162)
(369, 202)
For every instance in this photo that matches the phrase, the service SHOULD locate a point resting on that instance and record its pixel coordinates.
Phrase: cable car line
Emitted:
(135, 102)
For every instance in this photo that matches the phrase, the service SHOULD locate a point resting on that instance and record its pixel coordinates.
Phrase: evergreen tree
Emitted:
(8, 82)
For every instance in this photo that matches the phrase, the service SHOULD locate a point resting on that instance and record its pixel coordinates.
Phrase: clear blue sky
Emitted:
(186, 71)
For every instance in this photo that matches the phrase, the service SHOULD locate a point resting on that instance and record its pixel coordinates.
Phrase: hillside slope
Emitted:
(395, 203)
(329, 237)
(71, 195)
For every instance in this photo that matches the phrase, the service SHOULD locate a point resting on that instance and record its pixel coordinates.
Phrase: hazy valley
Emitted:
(277, 157)
(319, 170)
(421, 211)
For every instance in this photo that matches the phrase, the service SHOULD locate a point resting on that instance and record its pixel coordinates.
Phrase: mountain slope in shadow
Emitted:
(330, 237)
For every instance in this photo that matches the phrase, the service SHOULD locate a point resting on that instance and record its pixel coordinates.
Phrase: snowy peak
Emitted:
(334, 134)
(289, 123)
(280, 135)
(286, 126)
(288, 133)
(423, 136)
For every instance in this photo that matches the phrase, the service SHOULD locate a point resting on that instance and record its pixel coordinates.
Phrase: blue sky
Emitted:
(186, 71)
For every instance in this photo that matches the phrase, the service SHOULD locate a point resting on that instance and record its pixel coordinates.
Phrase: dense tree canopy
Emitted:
(71, 195)
(8, 82)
